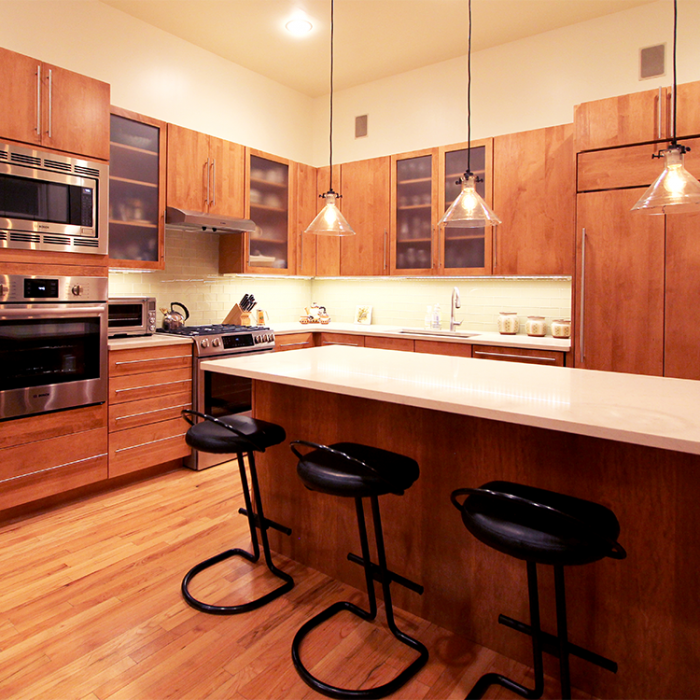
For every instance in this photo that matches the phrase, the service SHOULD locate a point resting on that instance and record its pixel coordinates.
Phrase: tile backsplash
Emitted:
(191, 277)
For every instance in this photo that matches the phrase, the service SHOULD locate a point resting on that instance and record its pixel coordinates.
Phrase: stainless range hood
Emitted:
(199, 221)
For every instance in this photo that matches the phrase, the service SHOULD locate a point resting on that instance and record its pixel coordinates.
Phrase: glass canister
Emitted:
(508, 323)
(561, 328)
(535, 326)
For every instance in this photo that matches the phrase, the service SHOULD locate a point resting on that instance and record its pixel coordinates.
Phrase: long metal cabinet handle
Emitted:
(583, 296)
(38, 100)
(293, 345)
(386, 238)
(208, 171)
(301, 254)
(526, 358)
(495, 247)
(50, 102)
(152, 359)
(658, 114)
(150, 442)
(213, 182)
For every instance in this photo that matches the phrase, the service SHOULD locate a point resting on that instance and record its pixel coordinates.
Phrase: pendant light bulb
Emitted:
(329, 221)
(675, 191)
(469, 210)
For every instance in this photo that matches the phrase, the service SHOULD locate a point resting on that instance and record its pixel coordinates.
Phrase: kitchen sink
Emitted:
(438, 333)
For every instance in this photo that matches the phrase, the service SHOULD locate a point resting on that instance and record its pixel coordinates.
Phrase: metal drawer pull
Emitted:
(150, 386)
(50, 469)
(151, 359)
(528, 358)
(157, 410)
(350, 345)
(292, 345)
(151, 442)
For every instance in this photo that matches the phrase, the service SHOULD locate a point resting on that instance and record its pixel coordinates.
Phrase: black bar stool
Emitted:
(242, 436)
(541, 527)
(357, 471)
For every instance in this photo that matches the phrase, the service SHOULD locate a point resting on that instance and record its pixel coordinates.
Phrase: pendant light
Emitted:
(329, 221)
(675, 191)
(469, 209)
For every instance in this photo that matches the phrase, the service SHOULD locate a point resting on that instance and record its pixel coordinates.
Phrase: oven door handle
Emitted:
(32, 313)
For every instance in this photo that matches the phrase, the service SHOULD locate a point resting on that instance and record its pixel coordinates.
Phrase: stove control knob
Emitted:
(216, 342)
(76, 290)
(204, 343)
(257, 339)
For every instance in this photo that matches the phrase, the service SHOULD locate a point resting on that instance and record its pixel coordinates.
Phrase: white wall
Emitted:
(527, 84)
(157, 74)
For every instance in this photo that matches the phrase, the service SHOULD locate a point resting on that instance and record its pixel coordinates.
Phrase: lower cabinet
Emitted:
(554, 358)
(435, 347)
(377, 341)
(294, 341)
(148, 388)
(357, 341)
(72, 452)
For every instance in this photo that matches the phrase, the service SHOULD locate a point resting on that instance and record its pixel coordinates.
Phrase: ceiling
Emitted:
(373, 38)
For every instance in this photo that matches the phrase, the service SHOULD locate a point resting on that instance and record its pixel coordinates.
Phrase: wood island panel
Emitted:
(643, 612)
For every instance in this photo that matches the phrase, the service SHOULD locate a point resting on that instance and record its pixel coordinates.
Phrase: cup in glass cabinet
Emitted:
(508, 323)
(535, 326)
(561, 328)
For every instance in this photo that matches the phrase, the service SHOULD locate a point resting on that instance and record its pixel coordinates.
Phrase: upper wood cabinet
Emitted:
(52, 107)
(414, 206)
(136, 191)
(688, 122)
(463, 250)
(205, 173)
(534, 196)
(618, 121)
(304, 213)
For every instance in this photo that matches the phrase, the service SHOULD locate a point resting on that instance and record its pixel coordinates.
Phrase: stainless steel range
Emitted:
(219, 394)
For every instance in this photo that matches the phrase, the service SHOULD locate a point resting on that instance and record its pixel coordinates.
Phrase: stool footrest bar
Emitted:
(268, 523)
(550, 644)
(376, 574)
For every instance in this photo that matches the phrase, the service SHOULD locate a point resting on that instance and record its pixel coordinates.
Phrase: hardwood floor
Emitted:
(90, 608)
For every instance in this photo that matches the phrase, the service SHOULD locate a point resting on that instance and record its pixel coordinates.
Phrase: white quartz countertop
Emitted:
(148, 341)
(519, 340)
(651, 411)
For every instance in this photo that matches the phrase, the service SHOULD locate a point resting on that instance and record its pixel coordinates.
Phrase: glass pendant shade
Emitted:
(469, 209)
(329, 221)
(675, 191)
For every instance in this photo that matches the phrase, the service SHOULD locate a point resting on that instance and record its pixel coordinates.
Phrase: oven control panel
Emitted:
(235, 343)
(22, 289)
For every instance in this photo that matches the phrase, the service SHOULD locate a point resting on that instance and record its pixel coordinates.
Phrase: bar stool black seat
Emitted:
(242, 436)
(357, 471)
(540, 527)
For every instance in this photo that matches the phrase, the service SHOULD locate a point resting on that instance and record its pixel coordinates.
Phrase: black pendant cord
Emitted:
(330, 181)
(469, 96)
(674, 142)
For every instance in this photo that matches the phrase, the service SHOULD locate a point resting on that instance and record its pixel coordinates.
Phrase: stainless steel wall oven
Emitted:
(53, 343)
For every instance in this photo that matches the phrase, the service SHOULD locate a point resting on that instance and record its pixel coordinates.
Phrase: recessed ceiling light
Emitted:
(299, 27)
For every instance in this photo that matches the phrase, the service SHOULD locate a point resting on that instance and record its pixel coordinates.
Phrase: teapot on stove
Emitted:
(174, 320)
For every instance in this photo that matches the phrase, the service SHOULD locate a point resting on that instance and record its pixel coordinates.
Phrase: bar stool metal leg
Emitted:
(562, 634)
(256, 520)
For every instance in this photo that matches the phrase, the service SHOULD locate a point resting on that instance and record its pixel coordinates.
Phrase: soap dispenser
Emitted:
(436, 317)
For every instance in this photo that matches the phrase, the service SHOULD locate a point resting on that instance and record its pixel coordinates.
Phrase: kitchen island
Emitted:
(627, 441)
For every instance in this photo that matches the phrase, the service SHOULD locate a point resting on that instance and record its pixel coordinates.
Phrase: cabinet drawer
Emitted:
(294, 341)
(132, 414)
(553, 358)
(140, 360)
(139, 448)
(435, 347)
(343, 339)
(405, 344)
(149, 385)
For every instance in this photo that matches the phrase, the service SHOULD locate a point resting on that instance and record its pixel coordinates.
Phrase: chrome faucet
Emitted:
(455, 304)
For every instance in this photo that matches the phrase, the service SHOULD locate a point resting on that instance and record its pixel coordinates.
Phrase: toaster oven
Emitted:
(131, 316)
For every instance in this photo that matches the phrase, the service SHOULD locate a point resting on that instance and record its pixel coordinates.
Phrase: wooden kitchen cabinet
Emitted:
(534, 196)
(294, 341)
(54, 108)
(52, 453)
(148, 388)
(531, 356)
(205, 173)
(356, 341)
(619, 299)
(437, 347)
(305, 211)
(377, 341)
(463, 250)
(137, 191)
(688, 121)
(414, 206)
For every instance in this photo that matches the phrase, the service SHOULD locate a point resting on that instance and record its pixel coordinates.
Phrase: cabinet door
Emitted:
(366, 189)
(618, 121)
(619, 284)
(535, 202)
(20, 97)
(688, 122)
(305, 211)
(76, 113)
(682, 332)
(226, 178)
(464, 250)
(529, 356)
(328, 247)
(136, 191)
(188, 169)
(413, 208)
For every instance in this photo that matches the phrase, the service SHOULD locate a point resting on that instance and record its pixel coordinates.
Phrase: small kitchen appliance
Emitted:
(131, 316)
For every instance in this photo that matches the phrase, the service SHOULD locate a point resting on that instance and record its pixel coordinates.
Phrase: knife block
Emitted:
(238, 317)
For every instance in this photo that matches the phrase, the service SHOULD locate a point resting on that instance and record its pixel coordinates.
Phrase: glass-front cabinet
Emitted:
(463, 250)
(136, 191)
(413, 209)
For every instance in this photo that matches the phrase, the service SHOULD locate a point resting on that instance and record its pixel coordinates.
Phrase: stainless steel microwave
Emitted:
(131, 316)
(51, 201)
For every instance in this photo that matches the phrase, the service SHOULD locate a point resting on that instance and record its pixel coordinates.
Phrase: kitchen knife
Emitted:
(251, 302)
(243, 303)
